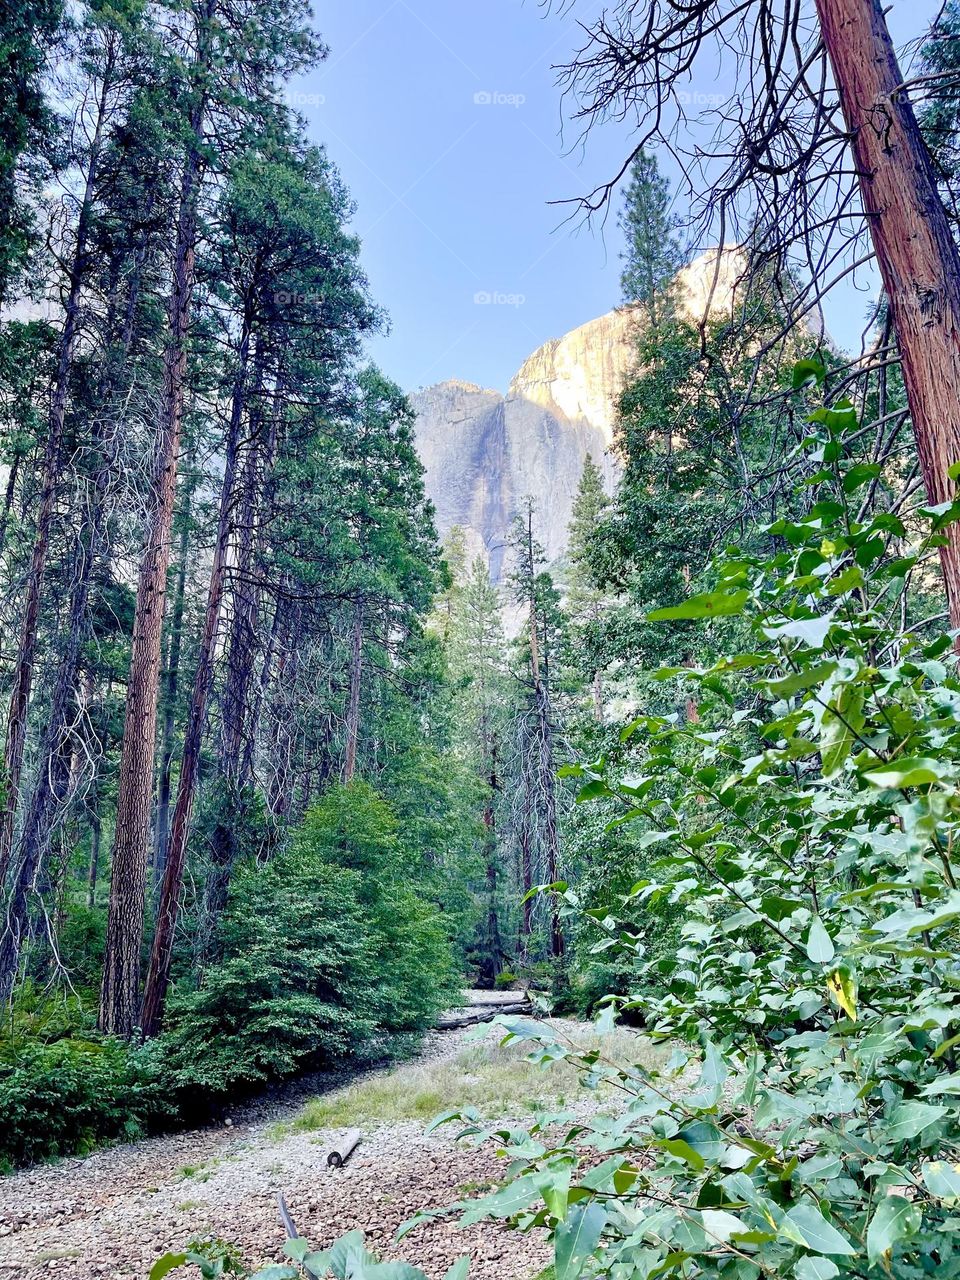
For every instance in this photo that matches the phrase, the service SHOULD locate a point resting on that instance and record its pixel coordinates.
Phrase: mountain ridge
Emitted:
(485, 451)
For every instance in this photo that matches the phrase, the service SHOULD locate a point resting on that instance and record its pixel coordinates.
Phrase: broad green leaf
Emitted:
(713, 604)
(163, 1266)
(842, 986)
(905, 773)
(577, 1237)
(806, 1225)
(388, 1271)
(810, 631)
(720, 1225)
(859, 475)
(555, 1189)
(418, 1220)
(683, 1151)
(705, 1138)
(896, 1219)
(459, 1270)
(715, 1070)
(909, 1119)
(318, 1263)
(841, 418)
(279, 1271)
(523, 1028)
(347, 1254)
(505, 1203)
(786, 686)
(820, 946)
(808, 373)
(942, 1180)
(443, 1118)
(816, 1269)
(592, 791)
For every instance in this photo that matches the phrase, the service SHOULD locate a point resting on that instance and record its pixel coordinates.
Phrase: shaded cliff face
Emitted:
(485, 452)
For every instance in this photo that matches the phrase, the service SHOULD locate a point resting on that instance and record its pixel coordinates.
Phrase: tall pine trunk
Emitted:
(493, 942)
(916, 253)
(171, 689)
(9, 495)
(354, 691)
(22, 683)
(542, 770)
(239, 697)
(119, 993)
(53, 785)
(161, 958)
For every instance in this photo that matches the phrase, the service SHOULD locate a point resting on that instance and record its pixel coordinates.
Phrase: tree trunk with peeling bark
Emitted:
(916, 253)
(161, 957)
(119, 994)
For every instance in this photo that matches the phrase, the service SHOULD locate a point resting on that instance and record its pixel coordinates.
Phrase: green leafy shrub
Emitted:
(807, 831)
(68, 1096)
(346, 1259)
(328, 952)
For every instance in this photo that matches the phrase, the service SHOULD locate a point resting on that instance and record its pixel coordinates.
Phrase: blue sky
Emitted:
(445, 121)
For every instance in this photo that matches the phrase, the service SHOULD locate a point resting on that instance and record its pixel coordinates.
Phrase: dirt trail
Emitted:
(112, 1214)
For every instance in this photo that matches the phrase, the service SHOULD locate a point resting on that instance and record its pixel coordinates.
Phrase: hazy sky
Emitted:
(445, 121)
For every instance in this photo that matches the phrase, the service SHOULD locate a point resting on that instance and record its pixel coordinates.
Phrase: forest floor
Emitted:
(112, 1214)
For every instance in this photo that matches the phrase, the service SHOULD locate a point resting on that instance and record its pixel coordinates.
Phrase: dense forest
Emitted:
(283, 772)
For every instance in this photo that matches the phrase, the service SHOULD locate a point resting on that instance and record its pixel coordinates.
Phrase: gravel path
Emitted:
(112, 1214)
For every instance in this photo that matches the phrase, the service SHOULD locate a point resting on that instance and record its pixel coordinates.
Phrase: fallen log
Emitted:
(338, 1155)
(478, 1013)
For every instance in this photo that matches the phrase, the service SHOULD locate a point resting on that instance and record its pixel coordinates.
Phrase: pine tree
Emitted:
(28, 37)
(653, 255)
(476, 645)
(539, 825)
(282, 240)
(106, 52)
(585, 600)
(940, 118)
(264, 50)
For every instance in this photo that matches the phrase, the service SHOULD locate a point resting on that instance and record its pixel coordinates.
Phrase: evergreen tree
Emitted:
(585, 601)
(940, 117)
(264, 52)
(28, 36)
(476, 647)
(653, 255)
(538, 831)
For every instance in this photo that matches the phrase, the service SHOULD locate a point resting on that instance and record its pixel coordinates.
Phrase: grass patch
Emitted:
(496, 1081)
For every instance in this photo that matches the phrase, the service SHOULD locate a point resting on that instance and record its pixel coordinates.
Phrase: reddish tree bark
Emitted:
(170, 693)
(161, 958)
(916, 253)
(119, 993)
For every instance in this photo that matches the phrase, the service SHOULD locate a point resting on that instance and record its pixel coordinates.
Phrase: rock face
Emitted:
(485, 453)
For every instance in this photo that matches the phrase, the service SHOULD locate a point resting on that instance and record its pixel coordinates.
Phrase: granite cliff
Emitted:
(484, 452)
